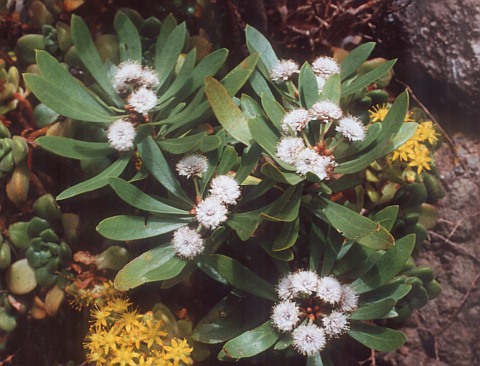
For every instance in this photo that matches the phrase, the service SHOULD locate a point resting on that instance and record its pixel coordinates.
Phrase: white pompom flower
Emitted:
(187, 243)
(285, 315)
(306, 161)
(335, 323)
(121, 135)
(285, 288)
(325, 66)
(325, 111)
(349, 299)
(288, 149)
(211, 212)
(304, 282)
(192, 165)
(283, 70)
(352, 128)
(329, 290)
(308, 339)
(149, 78)
(295, 121)
(142, 100)
(225, 188)
(323, 167)
(127, 73)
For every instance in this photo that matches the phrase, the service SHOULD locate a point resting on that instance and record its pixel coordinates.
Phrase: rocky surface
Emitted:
(445, 332)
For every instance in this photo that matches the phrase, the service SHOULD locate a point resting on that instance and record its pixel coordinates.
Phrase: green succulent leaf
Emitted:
(251, 342)
(355, 59)
(124, 227)
(136, 198)
(377, 338)
(387, 266)
(99, 181)
(154, 265)
(238, 275)
(387, 216)
(228, 114)
(74, 149)
(129, 40)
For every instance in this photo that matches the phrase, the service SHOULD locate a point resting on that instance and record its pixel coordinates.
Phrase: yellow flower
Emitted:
(408, 117)
(97, 358)
(420, 158)
(378, 112)
(403, 151)
(128, 320)
(118, 305)
(152, 333)
(101, 316)
(124, 356)
(142, 361)
(109, 340)
(178, 351)
(426, 132)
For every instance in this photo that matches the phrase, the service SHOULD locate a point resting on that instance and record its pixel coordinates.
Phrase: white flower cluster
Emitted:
(210, 212)
(313, 308)
(283, 70)
(121, 134)
(293, 151)
(352, 128)
(324, 67)
(136, 83)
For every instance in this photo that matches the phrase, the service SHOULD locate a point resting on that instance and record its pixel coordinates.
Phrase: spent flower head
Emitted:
(211, 212)
(283, 70)
(192, 165)
(225, 188)
(352, 128)
(187, 243)
(121, 135)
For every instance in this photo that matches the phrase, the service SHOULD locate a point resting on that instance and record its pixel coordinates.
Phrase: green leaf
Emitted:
(373, 311)
(386, 217)
(124, 227)
(307, 86)
(407, 130)
(156, 164)
(315, 360)
(99, 181)
(287, 235)
(240, 276)
(74, 149)
(153, 265)
(236, 78)
(167, 52)
(259, 84)
(286, 207)
(227, 161)
(366, 79)
(256, 42)
(244, 224)
(354, 226)
(331, 90)
(252, 342)
(354, 148)
(228, 114)
(90, 58)
(181, 79)
(274, 110)
(182, 145)
(230, 317)
(390, 127)
(355, 59)
(136, 198)
(284, 255)
(356, 262)
(71, 103)
(250, 157)
(129, 40)
(273, 172)
(394, 291)
(378, 338)
(387, 266)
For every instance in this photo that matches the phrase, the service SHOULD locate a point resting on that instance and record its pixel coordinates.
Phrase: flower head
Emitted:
(304, 282)
(378, 112)
(283, 70)
(211, 212)
(308, 339)
(285, 315)
(325, 66)
(323, 167)
(420, 158)
(329, 290)
(285, 290)
(121, 134)
(130, 75)
(325, 111)
(178, 351)
(349, 299)
(187, 243)
(335, 323)
(426, 132)
(192, 165)
(142, 100)
(226, 189)
(289, 148)
(306, 161)
(295, 121)
(352, 128)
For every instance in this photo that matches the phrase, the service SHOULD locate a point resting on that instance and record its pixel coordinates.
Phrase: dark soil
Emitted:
(446, 331)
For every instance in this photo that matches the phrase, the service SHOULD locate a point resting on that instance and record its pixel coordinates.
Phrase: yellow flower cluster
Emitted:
(378, 113)
(93, 294)
(415, 152)
(121, 336)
